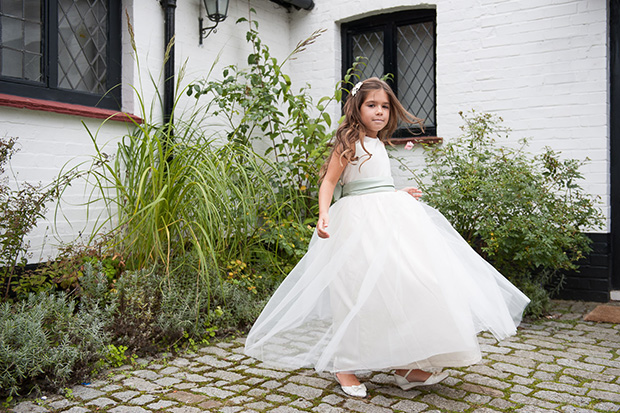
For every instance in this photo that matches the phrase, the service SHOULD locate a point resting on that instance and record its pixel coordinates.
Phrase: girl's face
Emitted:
(375, 112)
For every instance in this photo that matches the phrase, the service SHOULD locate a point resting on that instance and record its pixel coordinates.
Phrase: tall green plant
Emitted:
(183, 193)
(524, 213)
(258, 102)
(182, 200)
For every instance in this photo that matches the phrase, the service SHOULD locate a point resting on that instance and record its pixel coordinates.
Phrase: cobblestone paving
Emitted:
(560, 364)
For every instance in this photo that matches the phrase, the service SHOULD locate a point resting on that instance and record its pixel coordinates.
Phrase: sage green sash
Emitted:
(364, 186)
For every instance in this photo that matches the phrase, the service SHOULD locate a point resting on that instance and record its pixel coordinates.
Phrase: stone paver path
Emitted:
(559, 364)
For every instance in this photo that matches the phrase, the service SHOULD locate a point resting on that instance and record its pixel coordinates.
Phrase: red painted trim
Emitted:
(67, 108)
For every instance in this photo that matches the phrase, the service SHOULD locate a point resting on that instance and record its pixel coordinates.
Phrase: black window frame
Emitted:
(48, 89)
(388, 23)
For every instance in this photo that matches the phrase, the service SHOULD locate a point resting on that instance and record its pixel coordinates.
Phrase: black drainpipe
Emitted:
(169, 10)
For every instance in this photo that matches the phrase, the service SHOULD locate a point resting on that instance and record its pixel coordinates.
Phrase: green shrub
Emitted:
(137, 295)
(67, 270)
(524, 213)
(286, 240)
(233, 308)
(258, 102)
(185, 304)
(156, 310)
(46, 341)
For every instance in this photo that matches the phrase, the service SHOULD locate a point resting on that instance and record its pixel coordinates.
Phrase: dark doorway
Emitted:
(614, 121)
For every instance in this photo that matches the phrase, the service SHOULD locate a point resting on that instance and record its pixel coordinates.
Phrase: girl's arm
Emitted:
(326, 192)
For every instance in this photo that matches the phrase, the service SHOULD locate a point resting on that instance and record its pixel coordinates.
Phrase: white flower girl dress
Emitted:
(395, 286)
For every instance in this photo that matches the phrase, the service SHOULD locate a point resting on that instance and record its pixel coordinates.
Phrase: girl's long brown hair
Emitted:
(351, 129)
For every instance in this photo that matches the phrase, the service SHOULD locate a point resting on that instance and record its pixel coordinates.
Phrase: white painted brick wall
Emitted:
(542, 66)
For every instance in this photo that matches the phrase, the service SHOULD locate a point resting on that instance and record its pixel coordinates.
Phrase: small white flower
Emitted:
(356, 88)
(409, 146)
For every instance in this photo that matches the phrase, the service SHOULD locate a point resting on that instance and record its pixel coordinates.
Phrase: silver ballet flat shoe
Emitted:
(405, 384)
(355, 391)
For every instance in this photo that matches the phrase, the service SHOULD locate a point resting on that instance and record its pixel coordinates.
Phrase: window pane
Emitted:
(370, 46)
(416, 70)
(12, 32)
(82, 45)
(12, 63)
(32, 67)
(20, 46)
(33, 10)
(13, 8)
(32, 37)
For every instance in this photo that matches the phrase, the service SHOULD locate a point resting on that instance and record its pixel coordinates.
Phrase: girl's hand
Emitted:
(414, 192)
(321, 226)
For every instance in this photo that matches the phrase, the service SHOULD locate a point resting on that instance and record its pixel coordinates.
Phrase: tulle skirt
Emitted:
(395, 286)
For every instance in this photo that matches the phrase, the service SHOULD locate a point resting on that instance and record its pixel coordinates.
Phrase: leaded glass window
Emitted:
(403, 45)
(415, 45)
(65, 50)
(370, 46)
(82, 45)
(20, 39)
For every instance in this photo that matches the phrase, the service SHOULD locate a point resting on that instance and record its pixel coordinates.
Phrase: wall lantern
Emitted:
(217, 11)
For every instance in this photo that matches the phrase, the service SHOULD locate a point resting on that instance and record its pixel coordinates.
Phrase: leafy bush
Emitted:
(258, 102)
(157, 310)
(46, 340)
(67, 270)
(19, 211)
(286, 239)
(234, 309)
(525, 214)
(138, 297)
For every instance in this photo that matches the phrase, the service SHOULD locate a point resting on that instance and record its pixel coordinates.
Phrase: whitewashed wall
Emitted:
(542, 66)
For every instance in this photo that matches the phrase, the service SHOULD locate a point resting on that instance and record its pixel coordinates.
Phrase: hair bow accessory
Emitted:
(356, 88)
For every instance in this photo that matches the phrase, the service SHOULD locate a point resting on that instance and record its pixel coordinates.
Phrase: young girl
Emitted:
(387, 283)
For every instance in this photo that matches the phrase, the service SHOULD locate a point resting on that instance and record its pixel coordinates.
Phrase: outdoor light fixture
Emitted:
(216, 12)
